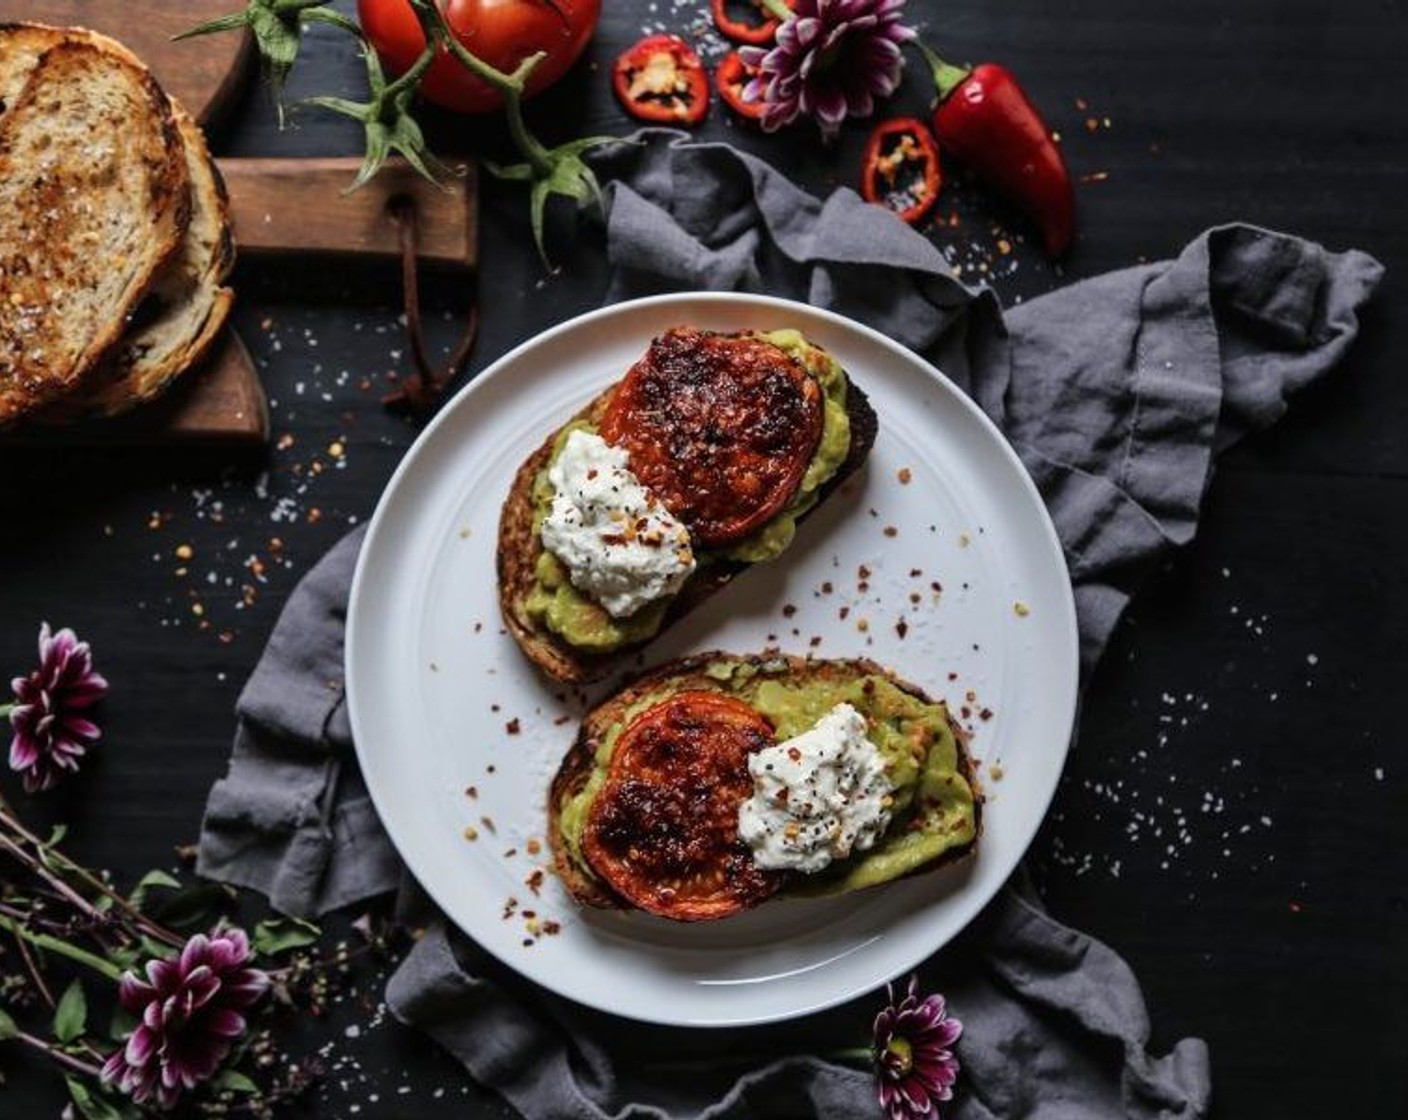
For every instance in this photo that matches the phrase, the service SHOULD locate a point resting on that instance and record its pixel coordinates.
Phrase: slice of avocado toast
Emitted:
(572, 638)
(936, 810)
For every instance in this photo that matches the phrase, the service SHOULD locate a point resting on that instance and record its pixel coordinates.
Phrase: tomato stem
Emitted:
(511, 86)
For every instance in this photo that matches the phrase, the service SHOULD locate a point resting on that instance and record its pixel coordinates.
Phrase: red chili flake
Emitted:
(513, 727)
(905, 475)
(535, 880)
(936, 587)
(471, 791)
(552, 928)
(510, 907)
(488, 822)
(901, 628)
(891, 531)
(863, 572)
(826, 588)
(788, 610)
(845, 612)
(985, 714)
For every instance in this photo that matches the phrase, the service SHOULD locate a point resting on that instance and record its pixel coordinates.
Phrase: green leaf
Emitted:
(91, 1105)
(278, 935)
(235, 1082)
(57, 836)
(153, 878)
(8, 1027)
(193, 905)
(71, 1016)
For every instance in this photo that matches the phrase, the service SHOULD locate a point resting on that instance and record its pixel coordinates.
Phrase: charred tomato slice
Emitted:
(663, 831)
(720, 427)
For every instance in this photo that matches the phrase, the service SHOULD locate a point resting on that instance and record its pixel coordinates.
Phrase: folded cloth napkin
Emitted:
(1116, 392)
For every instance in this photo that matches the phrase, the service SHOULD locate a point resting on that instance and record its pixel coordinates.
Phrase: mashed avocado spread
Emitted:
(553, 601)
(934, 807)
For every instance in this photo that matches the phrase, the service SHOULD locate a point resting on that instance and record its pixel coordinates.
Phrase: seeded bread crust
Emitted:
(94, 198)
(519, 548)
(690, 673)
(188, 303)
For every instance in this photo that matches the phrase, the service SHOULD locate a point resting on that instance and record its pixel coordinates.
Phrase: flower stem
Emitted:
(777, 9)
(145, 924)
(34, 972)
(68, 1061)
(62, 948)
(6, 709)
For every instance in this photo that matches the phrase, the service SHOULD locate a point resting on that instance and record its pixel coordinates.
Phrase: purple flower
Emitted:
(51, 731)
(188, 1013)
(914, 1064)
(832, 59)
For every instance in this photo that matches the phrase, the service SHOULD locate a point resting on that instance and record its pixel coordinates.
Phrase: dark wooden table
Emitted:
(1230, 817)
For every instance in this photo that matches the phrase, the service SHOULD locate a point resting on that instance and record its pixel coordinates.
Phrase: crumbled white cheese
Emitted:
(817, 796)
(621, 546)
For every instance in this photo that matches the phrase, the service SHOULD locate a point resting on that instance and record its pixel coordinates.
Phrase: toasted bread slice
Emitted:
(183, 312)
(519, 547)
(692, 673)
(188, 302)
(94, 197)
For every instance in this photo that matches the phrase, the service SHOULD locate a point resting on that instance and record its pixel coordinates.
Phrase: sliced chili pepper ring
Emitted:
(755, 34)
(900, 169)
(661, 79)
(732, 75)
(663, 831)
(721, 428)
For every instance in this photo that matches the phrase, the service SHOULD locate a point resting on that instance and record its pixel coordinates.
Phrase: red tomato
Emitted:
(500, 32)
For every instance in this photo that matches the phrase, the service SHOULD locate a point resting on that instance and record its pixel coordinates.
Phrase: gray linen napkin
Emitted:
(1117, 392)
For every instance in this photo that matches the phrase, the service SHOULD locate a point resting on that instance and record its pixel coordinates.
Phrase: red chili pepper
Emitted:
(662, 79)
(730, 78)
(986, 121)
(740, 31)
(900, 168)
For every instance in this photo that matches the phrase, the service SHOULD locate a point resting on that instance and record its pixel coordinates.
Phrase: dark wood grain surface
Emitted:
(1231, 818)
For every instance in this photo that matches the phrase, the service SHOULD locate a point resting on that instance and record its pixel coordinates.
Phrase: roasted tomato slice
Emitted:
(900, 168)
(662, 79)
(730, 79)
(720, 427)
(744, 21)
(663, 831)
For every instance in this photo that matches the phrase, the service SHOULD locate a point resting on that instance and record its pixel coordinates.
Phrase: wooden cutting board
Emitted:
(277, 206)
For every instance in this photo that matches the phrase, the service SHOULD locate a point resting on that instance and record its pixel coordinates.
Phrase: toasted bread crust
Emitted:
(687, 673)
(74, 271)
(188, 296)
(519, 548)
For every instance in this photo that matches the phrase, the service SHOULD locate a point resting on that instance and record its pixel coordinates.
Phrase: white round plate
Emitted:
(938, 560)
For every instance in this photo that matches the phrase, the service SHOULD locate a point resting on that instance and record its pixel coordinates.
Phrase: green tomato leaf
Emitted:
(8, 1027)
(279, 935)
(71, 1016)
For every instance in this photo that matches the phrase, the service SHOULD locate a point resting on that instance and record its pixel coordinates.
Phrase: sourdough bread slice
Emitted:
(94, 197)
(183, 312)
(188, 303)
(519, 547)
(691, 673)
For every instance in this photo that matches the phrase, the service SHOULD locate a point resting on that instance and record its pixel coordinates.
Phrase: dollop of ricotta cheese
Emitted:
(621, 546)
(817, 797)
